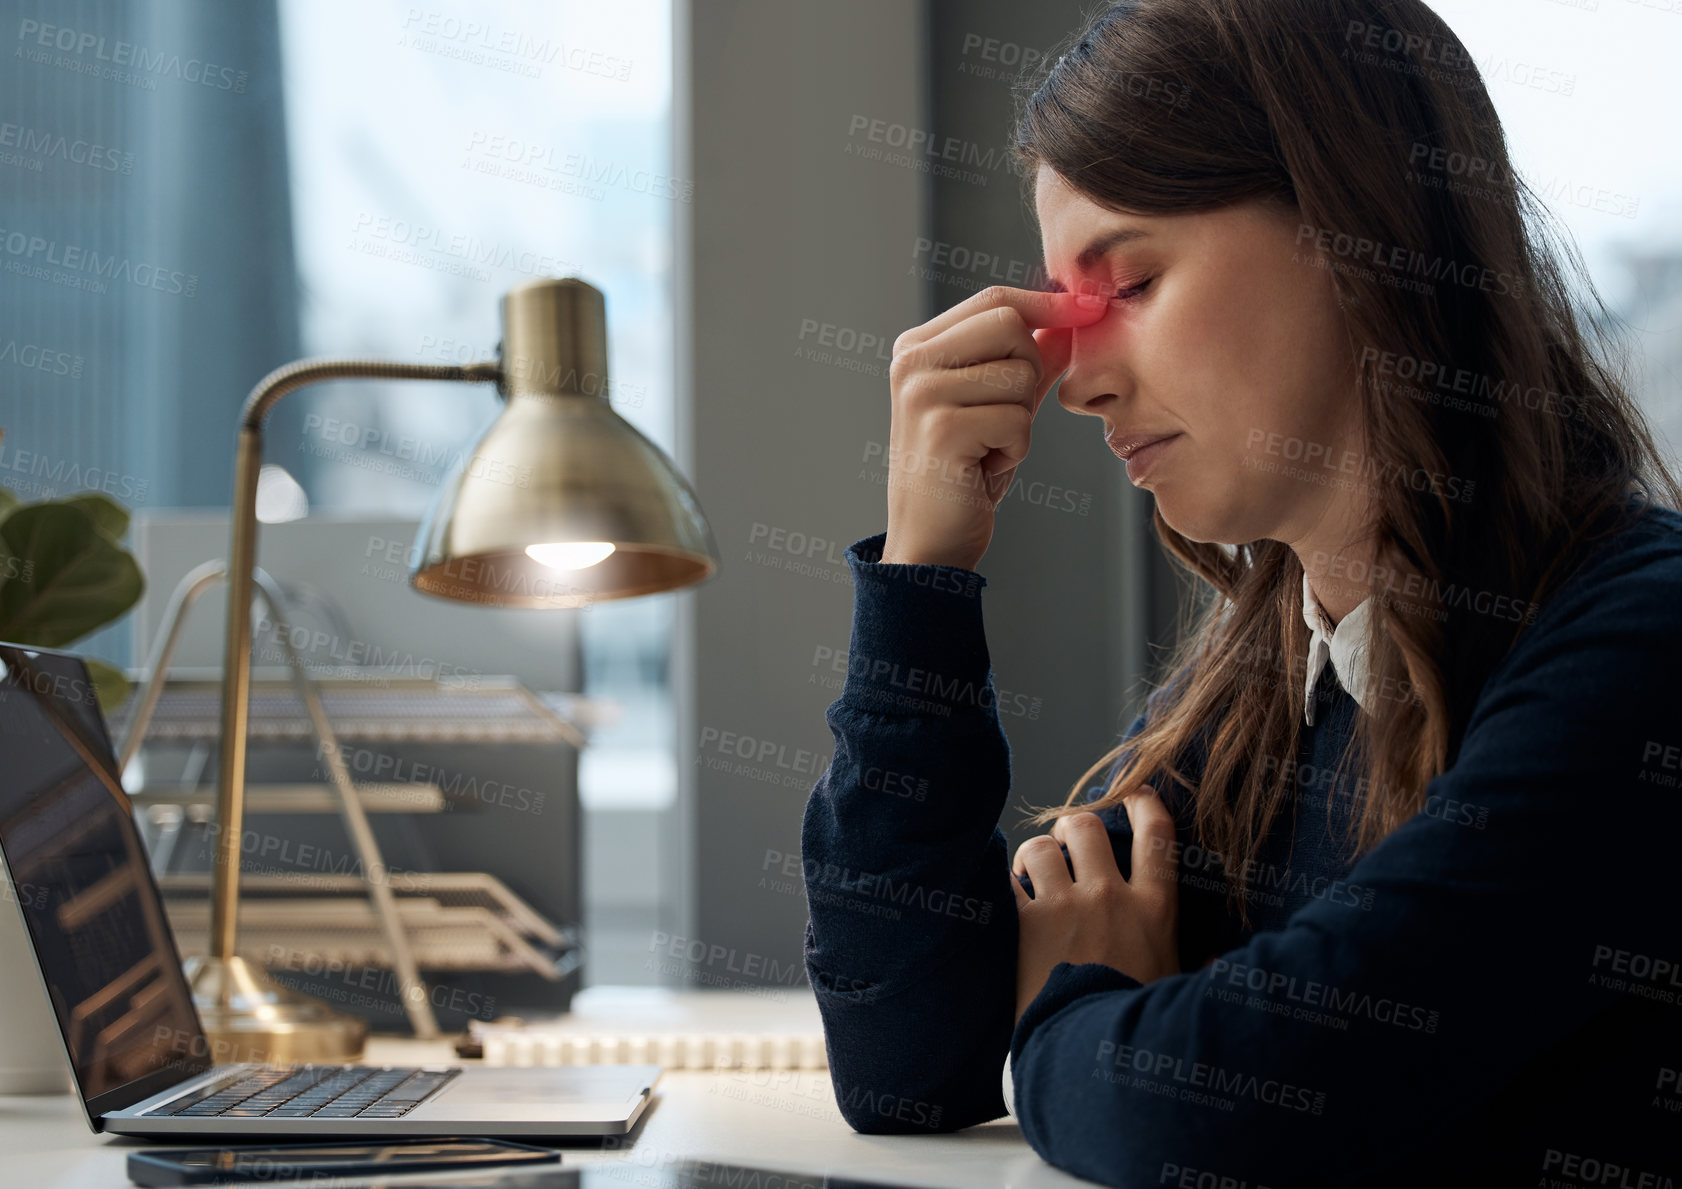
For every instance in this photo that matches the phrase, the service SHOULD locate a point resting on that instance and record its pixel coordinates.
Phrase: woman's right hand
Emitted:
(966, 385)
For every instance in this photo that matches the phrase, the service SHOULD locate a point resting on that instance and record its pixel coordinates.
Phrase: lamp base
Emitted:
(248, 1016)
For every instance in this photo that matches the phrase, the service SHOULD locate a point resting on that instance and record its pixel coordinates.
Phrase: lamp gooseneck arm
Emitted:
(236, 668)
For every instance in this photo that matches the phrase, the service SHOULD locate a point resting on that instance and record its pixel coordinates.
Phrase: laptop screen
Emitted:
(79, 873)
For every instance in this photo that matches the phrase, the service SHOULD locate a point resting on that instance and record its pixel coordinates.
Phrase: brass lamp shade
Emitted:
(558, 469)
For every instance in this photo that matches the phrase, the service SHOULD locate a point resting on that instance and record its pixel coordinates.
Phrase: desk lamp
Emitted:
(562, 503)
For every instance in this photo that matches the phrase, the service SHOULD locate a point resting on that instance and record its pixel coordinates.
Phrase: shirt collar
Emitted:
(1345, 646)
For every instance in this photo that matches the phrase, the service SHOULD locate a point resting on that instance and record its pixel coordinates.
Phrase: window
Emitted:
(361, 179)
(1583, 90)
(440, 156)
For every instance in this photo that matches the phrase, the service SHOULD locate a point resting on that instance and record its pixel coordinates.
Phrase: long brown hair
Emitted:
(1368, 120)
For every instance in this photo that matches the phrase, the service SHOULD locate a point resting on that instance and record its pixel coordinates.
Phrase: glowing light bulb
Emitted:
(570, 555)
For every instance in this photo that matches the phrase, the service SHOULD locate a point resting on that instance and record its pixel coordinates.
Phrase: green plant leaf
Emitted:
(79, 579)
(110, 517)
(110, 686)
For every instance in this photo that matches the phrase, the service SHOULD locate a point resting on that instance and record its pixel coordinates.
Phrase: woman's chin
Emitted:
(1174, 515)
(1199, 526)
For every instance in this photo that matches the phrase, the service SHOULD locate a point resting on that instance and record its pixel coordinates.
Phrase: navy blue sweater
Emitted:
(1491, 996)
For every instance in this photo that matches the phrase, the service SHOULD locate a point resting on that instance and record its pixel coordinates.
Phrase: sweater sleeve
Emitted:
(1316, 1052)
(911, 937)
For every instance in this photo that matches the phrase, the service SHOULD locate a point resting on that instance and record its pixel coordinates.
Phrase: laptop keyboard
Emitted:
(311, 1092)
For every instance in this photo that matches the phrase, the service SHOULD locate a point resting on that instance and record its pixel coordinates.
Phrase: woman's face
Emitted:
(1221, 332)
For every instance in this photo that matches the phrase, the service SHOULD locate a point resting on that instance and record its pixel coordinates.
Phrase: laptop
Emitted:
(77, 872)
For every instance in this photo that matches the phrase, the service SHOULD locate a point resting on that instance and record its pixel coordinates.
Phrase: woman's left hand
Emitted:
(1097, 916)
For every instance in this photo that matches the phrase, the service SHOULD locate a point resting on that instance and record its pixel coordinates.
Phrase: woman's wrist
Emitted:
(894, 554)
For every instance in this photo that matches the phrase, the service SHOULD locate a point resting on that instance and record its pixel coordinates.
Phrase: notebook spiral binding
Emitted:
(506, 1044)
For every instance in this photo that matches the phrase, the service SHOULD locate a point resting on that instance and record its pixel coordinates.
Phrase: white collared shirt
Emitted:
(1345, 646)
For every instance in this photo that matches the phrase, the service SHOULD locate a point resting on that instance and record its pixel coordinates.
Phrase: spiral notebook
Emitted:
(768, 1028)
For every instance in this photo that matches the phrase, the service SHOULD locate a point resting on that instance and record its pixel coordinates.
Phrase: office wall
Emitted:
(790, 227)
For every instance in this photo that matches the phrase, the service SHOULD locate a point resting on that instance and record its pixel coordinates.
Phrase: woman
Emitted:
(1380, 885)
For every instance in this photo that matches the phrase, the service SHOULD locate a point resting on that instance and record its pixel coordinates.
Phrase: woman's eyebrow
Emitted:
(1093, 251)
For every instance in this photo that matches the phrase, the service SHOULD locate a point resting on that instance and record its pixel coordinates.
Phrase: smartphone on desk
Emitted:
(316, 1163)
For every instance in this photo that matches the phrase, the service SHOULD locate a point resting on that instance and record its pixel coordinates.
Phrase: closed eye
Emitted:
(1131, 292)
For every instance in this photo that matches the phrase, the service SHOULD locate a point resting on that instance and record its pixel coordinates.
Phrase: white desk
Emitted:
(780, 1120)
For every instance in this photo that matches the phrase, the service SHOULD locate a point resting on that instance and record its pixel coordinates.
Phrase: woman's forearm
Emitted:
(911, 944)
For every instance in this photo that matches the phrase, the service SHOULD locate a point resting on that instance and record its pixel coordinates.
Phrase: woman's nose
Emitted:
(1084, 387)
